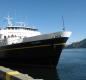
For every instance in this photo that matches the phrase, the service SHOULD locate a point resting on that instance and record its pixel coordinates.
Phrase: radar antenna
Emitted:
(63, 24)
(9, 21)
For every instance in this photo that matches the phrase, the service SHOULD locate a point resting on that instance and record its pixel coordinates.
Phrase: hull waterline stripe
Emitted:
(32, 47)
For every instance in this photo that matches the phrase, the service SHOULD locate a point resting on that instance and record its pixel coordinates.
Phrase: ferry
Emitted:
(20, 44)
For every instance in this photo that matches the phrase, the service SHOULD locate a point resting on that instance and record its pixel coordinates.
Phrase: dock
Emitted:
(9, 74)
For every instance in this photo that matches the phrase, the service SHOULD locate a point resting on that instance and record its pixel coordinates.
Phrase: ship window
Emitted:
(12, 35)
(12, 28)
(5, 37)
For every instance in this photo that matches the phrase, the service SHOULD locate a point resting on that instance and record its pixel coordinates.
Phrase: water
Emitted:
(72, 65)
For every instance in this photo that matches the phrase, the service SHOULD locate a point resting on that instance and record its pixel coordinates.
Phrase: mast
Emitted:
(9, 21)
(63, 26)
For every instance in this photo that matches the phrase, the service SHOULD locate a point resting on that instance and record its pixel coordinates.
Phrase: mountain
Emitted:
(80, 44)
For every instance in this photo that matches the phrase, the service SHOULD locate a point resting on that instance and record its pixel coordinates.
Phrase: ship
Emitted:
(20, 44)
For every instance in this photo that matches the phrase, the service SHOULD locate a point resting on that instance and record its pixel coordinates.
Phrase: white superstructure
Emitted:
(13, 34)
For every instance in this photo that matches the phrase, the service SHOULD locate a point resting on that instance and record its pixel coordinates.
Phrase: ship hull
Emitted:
(42, 53)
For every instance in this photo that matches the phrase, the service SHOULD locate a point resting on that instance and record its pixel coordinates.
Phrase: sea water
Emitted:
(72, 65)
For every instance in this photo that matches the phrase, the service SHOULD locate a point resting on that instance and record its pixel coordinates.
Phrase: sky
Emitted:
(46, 15)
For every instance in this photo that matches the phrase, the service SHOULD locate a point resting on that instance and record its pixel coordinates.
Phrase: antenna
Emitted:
(63, 24)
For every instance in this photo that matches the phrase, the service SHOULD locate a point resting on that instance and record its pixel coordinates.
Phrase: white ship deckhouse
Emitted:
(13, 34)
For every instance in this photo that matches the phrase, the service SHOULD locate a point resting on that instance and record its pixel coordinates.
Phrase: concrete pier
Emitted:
(8, 74)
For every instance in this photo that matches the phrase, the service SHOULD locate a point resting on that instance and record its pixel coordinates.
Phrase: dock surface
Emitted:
(8, 74)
